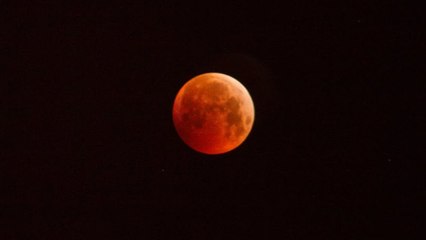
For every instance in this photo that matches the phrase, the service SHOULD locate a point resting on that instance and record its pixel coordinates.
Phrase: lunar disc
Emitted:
(213, 113)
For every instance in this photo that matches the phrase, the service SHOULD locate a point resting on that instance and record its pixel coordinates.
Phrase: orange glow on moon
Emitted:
(213, 113)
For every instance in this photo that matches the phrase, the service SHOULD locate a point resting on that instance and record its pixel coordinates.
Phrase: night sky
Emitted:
(91, 151)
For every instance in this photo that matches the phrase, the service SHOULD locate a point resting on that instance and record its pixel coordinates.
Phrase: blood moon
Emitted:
(213, 113)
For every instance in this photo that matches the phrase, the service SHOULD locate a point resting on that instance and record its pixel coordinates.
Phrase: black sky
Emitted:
(91, 151)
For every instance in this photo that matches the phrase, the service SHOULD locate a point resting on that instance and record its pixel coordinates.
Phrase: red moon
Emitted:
(213, 113)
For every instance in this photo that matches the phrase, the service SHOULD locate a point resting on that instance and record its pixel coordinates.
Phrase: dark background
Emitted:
(91, 151)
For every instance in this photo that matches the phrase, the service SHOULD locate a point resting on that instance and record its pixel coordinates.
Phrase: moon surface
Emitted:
(213, 113)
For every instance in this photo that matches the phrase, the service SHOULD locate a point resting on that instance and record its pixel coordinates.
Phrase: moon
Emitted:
(213, 113)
